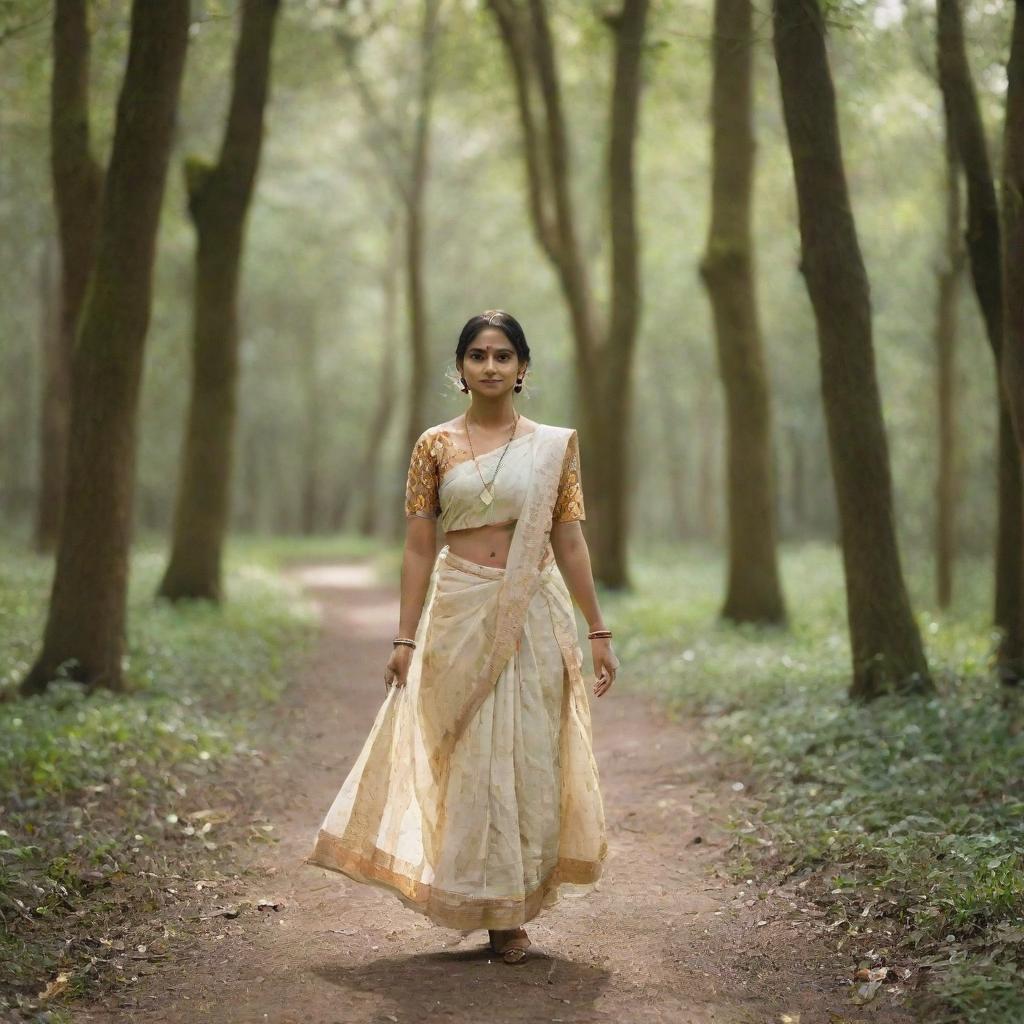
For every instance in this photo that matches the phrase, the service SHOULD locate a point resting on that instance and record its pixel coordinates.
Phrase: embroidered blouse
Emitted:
(437, 488)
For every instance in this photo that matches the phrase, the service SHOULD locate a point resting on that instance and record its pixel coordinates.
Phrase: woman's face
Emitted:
(490, 364)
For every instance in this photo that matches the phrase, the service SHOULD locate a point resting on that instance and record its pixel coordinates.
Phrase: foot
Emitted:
(510, 944)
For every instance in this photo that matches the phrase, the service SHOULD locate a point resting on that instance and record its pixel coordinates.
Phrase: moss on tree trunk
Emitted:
(753, 590)
(219, 199)
(85, 625)
(886, 644)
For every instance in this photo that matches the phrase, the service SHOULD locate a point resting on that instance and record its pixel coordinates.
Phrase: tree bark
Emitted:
(219, 197)
(77, 184)
(419, 170)
(1012, 362)
(405, 164)
(753, 590)
(604, 345)
(886, 645)
(53, 407)
(84, 634)
(948, 281)
(370, 524)
(705, 428)
(983, 247)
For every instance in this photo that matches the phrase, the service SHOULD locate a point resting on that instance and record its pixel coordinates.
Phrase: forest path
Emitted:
(665, 937)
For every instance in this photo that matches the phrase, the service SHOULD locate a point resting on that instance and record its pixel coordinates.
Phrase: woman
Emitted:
(476, 796)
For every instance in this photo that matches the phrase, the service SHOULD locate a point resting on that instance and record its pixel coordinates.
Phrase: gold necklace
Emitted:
(487, 494)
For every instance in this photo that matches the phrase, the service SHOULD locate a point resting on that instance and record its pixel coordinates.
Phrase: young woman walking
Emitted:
(475, 798)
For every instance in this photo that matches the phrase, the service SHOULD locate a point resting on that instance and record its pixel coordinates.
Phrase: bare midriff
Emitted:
(485, 545)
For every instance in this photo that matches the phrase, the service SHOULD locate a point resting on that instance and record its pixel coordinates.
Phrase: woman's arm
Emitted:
(573, 558)
(417, 565)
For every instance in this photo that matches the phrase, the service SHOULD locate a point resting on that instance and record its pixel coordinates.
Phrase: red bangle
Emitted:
(596, 634)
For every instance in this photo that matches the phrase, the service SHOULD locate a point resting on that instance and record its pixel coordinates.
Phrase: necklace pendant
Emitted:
(487, 495)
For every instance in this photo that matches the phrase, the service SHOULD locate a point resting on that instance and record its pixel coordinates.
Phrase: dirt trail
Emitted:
(664, 938)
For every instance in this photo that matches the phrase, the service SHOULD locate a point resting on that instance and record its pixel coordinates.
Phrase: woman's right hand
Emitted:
(397, 669)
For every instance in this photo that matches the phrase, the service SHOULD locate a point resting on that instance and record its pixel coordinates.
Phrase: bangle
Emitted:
(596, 634)
(405, 642)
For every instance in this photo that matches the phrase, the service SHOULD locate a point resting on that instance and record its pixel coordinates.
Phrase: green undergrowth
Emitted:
(907, 815)
(104, 797)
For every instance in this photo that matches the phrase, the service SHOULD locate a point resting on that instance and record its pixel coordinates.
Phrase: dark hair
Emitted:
(505, 322)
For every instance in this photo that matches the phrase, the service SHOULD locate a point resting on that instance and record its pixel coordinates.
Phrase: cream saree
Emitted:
(475, 798)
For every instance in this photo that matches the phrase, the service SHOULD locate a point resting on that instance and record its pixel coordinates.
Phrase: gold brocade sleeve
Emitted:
(422, 482)
(569, 503)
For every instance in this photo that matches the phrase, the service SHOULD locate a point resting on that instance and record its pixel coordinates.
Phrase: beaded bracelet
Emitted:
(402, 640)
(594, 634)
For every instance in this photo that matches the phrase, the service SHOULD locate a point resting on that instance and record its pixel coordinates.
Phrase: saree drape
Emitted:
(475, 798)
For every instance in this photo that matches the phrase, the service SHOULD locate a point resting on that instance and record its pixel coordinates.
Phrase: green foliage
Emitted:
(102, 795)
(909, 812)
(318, 252)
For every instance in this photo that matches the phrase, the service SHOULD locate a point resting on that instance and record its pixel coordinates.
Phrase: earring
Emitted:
(518, 385)
(465, 386)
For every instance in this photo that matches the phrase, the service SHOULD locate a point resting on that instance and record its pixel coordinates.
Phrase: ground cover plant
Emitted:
(906, 815)
(114, 804)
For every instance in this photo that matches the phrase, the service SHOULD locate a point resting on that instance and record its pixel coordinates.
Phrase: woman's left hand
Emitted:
(605, 664)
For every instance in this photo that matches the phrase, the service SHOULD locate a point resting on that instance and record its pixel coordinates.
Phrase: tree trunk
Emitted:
(706, 431)
(1012, 363)
(77, 184)
(419, 170)
(983, 247)
(370, 519)
(53, 409)
(614, 476)
(406, 166)
(886, 645)
(84, 633)
(604, 349)
(218, 200)
(311, 448)
(945, 351)
(370, 524)
(753, 591)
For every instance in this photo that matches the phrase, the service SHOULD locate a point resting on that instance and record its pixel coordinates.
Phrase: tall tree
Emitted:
(77, 183)
(403, 153)
(370, 512)
(310, 444)
(605, 341)
(219, 197)
(947, 294)
(1012, 366)
(885, 642)
(983, 247)
(753, 591)
(84, 634)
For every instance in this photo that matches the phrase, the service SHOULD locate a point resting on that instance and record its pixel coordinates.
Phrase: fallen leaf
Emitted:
(55, 987)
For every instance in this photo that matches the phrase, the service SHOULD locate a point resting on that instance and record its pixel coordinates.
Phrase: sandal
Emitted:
(510, 945)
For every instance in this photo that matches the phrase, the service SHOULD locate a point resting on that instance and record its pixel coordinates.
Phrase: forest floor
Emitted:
(668, 935)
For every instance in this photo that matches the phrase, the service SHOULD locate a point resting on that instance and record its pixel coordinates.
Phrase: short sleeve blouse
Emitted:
(569, 503)
(430, 455)
(423, 481)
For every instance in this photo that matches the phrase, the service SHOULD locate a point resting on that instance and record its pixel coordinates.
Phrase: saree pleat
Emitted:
(475, 798)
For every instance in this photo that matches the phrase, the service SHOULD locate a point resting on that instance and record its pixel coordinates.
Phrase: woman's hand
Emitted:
(605, 664)
(397, 669)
